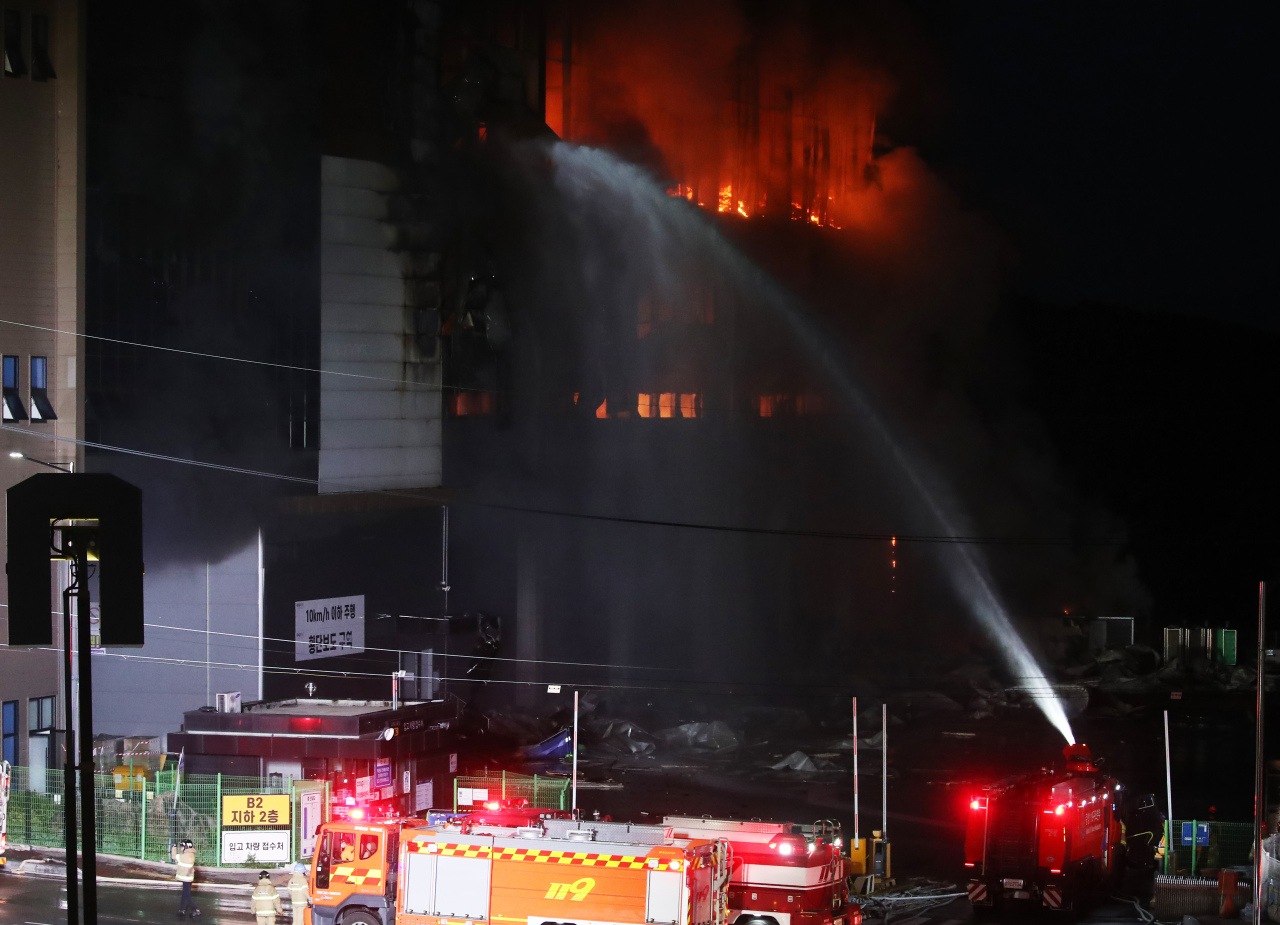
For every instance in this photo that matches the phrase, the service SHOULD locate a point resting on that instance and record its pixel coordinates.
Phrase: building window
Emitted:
(41, 407)
(15, 64)
(40, 751)
(669, 404)
(39, 714)
(41, 63)
(11, 731)
(470, 404)
(13, 410)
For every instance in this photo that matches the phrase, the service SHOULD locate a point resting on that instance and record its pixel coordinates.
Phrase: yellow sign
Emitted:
(256, 809)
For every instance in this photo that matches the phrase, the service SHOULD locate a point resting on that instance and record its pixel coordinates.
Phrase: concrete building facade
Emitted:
(42, 208)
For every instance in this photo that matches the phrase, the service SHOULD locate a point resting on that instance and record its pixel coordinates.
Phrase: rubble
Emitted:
(714, 737)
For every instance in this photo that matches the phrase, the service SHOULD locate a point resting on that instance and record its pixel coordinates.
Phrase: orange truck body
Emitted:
(409, 873)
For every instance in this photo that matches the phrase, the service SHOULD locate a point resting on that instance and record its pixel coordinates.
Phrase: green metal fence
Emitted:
(139, 823)
(546, 792)
(1229, 845)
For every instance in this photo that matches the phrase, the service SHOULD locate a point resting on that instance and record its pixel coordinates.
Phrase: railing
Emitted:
(139, 823)
(1229, 845)
(545, 792)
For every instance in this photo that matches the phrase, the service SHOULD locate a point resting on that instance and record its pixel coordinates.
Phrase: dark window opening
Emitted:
(10, 726)
(41, 407)
(13, 410)
(40, 714)
(15, 64)
(323, 863)
(41, 63)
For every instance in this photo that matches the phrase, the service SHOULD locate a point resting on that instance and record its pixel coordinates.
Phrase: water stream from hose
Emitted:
(670, 235)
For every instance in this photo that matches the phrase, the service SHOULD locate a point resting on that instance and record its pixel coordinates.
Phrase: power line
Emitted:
(489, 658)
(231, 359)
(809, 534)
(161, 456)
(610, 518)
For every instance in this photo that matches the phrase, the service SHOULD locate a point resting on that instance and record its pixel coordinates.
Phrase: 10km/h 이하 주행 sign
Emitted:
(255, 809)
(328, 627)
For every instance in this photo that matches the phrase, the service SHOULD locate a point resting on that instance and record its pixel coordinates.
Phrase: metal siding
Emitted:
(462, 887)
(663, 901)
(419, 882)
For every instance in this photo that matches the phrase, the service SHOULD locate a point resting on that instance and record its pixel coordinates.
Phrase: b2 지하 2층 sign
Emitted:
(328, 627)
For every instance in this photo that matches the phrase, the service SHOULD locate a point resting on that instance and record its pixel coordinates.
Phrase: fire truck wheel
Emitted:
(360, 917)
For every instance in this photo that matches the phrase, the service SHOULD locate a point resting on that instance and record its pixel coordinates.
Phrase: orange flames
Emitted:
(748, 120)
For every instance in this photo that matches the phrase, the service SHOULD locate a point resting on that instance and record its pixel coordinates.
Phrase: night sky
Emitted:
(1120, 145)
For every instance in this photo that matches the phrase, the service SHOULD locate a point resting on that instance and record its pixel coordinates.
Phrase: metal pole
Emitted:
(574, 807)
(208, 687)
(1168, 784)
(856, 842)
(884, 773)
(88, 790)
(1259, 797)
(69, 767)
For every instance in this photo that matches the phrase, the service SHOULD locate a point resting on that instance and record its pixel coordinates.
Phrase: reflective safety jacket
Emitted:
(186, 861)
(298, 889)
(265, 900)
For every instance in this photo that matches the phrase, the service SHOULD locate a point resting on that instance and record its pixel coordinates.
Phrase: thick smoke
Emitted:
(902, 278)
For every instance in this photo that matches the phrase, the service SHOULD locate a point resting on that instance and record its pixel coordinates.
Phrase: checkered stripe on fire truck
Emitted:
(977, 892)
(362, 876)
(619, 861)
(1053, 897)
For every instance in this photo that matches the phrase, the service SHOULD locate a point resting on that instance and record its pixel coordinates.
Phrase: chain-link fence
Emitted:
(544, 792)
(144, 822)
(1217, 845)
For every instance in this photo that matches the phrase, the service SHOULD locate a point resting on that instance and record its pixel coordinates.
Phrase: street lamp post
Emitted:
(18, 454)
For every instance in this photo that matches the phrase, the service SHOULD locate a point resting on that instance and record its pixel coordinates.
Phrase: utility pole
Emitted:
(76, 545)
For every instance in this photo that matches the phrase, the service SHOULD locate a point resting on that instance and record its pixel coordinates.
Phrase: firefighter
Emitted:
(298, 892)
(184, 856)
(265, 901)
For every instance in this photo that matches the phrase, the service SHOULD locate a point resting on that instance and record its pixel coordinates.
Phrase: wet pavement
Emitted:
(27, 900)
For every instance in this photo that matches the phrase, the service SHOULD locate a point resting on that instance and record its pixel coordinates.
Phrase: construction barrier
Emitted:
(1179, 896)
(144, 823)
(546, 792)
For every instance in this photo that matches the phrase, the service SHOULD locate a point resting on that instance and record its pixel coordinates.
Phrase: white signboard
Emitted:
(311, 807)
(255, 847)
(422, 795)
(328, 627)
(363, 786)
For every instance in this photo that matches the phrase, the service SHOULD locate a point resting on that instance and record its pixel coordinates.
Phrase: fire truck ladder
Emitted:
(721, 870)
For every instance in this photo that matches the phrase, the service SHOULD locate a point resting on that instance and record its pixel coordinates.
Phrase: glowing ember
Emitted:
(725, 203)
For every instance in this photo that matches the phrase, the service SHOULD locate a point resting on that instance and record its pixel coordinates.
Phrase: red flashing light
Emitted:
(493, 805)
(978, 803)
(357, 813)
(1055, 870)
(1060, 810)
(968, 863)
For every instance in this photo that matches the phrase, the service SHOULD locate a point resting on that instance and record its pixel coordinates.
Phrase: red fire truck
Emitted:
(1052, 838)
(780, 873)
(559, 872)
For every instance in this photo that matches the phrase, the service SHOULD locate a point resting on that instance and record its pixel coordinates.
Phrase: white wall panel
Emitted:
(381, 426)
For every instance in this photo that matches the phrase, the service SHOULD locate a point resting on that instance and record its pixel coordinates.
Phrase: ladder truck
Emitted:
(780, 873)
(556, 872)
(1051, 839)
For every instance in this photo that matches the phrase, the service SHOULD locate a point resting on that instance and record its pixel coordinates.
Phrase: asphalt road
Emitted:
(41, 901)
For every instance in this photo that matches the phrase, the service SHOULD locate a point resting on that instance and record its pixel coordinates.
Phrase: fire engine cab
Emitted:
(1052, 838)
(780, 873)
(559, 872)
